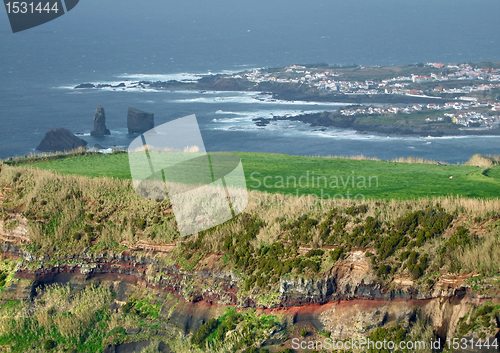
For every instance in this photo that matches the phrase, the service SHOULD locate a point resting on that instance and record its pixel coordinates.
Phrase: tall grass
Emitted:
(182, 345)
(57, 314)
(483, 161)
(356, 157)
(50, 308)
(417, 160)
(484, 256)
(72, 212)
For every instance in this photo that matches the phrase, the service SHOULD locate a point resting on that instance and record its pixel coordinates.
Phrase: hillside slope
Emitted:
(81, 252)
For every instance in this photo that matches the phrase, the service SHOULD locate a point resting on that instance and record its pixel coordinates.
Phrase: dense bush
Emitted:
(204, 331)
(49, 344)
(355, 210)
(300, 229)
(3, 277)
(266, 264)
(314, 252)
(383, 270)
(337, 254)
(417, 267)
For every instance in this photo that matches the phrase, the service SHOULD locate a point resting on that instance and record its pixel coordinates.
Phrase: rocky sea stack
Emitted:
(100, 123)
(139, 121)
(60, 140)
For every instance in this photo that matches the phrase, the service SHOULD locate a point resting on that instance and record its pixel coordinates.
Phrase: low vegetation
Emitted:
(57, 320)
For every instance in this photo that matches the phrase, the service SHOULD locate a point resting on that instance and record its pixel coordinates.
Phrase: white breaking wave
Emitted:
(112, 86)
(132, 79)
(219, 99)
(252, 98)
(249, 116)
(244, 121)
(183, 77)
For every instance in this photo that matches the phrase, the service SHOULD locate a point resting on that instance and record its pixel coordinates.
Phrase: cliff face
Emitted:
(338, 304)
(351, 279)
(348, 302)
(60, 140)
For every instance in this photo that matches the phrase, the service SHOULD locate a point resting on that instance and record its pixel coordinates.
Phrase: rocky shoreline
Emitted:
(311, 120)
(288, 92)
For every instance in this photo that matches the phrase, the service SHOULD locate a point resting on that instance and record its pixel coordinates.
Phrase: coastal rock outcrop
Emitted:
(85, 85)
(139, 121)
(100, 123)
(60, 140)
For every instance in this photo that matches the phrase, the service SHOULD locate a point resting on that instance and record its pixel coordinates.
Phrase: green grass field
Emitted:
(311, 175)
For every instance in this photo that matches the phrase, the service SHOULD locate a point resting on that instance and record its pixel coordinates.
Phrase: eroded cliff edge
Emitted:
(348, 301)
(345, 270)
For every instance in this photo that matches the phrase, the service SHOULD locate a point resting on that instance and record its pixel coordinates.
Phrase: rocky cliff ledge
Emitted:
(350, 279)
(349, 302)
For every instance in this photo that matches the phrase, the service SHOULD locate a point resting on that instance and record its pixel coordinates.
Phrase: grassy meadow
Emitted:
(336, 177)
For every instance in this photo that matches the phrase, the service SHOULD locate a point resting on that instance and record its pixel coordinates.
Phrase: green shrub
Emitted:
(355, 210)
(128, 306)
(140, 223)
(412, 258)
(204, 331)
(337, 254)
(314, 252)
(88, 229)
(49, 344)
(383, 270)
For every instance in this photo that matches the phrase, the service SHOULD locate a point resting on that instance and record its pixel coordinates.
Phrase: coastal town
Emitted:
(330, 79)
(461, 113)
(461, 104)
(465, 96)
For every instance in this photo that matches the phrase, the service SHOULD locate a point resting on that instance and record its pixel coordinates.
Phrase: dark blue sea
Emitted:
(117, 40)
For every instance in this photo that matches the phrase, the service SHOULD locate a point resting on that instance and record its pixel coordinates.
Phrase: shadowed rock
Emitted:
(60, 140)
(140, 346)
(100, 123)
(139, 121)
(85, 85)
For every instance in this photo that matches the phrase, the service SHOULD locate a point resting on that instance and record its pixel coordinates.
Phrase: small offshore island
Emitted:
(432, 99)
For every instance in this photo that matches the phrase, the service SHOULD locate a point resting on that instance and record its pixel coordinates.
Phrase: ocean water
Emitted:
(118, 40)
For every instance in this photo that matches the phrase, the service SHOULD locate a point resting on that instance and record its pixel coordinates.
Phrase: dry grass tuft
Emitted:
(61, 208)
(57, 308)
(483, 161)
(416, 160)
(484, 255)
(82, 306)
(357, 158)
